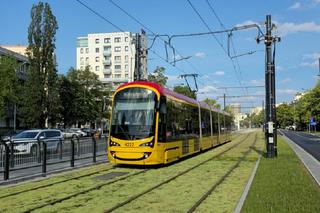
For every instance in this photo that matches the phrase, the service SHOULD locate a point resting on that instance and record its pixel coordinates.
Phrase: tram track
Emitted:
(98, 186)
(55, 183)
(135, 197)
(222, 179)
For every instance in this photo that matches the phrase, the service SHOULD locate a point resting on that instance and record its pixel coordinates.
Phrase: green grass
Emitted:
(177, 196)
(283, 184)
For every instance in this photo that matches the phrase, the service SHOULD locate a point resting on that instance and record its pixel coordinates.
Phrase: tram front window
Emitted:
(133, 114)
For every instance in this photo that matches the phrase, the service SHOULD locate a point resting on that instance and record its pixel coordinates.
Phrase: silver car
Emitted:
(27, 141)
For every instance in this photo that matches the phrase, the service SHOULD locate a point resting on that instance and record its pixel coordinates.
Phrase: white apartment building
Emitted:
(111, 56)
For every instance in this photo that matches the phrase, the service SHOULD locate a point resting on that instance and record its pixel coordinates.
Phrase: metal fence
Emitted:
(25, 158)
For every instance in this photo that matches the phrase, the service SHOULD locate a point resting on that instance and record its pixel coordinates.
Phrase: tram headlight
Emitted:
(146, 154)
(150, 144)
(114, 143)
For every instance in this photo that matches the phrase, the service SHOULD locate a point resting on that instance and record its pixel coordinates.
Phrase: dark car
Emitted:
(89, 132)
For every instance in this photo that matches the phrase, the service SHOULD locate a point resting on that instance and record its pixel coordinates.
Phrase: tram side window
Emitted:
(205, 122)
(162, 120)
(215, 122)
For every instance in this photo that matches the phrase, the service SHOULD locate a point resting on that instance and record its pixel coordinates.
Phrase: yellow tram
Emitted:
(152, 125)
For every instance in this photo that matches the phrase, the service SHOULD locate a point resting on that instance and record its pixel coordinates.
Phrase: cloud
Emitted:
(257, 82)
(287, 91)
(287, 28)
(200, 54)
(279, 68)
(311, 55)
(208, 89)
(295, 6)
(286, 80)
(219, 73)
(309, 64)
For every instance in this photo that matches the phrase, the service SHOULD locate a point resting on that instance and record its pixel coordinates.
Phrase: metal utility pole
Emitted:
(141, 55)
(270, 113)
(224, 102)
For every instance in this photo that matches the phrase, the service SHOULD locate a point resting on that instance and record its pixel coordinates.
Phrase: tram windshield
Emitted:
(133, 114)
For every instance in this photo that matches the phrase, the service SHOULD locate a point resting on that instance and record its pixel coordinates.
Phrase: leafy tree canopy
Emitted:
(158, 76)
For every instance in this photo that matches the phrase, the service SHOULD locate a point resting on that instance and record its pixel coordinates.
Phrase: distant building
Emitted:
(235, 108)
(255, 110)
(9, 121)
(22, 50)
(238, 118)
(112, 56)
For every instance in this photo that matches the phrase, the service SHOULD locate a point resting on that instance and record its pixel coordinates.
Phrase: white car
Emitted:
(27, 142)
(79, 132)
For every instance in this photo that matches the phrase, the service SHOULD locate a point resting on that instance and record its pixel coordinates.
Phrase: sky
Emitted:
(297, 23)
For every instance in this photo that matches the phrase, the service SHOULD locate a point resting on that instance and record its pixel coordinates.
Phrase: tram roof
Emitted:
(168, 92)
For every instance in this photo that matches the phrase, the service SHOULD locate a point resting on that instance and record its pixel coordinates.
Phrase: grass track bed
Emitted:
(110, 195)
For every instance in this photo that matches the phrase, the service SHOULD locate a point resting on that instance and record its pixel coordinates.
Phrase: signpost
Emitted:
(312, 123)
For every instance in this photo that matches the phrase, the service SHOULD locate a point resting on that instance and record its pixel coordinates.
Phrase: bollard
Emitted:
(7, 161)
(72, 153)
(60, 148)
(11, 154)
(94, 143)
(78, 146)
(44, 160)
(39, 151)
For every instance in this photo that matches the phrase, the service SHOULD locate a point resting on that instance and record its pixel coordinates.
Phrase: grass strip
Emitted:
(283, 184)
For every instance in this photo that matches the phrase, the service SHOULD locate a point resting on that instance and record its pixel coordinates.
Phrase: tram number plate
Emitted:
(129, 144)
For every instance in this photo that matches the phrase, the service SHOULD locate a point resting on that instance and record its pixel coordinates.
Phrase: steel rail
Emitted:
(222, 179)
(172, 178)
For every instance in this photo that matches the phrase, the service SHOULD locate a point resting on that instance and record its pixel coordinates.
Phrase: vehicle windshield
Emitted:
(133, 114)
(26, 135)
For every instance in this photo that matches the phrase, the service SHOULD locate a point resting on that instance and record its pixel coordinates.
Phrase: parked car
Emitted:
(79, 132)
(9, 135)
(26, 142)
(68, 133)
(89, 132)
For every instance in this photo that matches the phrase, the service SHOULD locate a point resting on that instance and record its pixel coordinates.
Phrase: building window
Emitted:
(81, 61)
(97, 59)
(87, 60)
(87, 50)
(117, 67)
(126, 67)
(97, 50)
(117, 49)
(106, 58)
(117, 39)
(106, 40)
(126, 48)
(117, 58)
(117, 75)
(81, 50)
(126, 58)
(107, 75)
(97, 68)
(106, 67)
(126, 39)
(126, 75)
(97, 41)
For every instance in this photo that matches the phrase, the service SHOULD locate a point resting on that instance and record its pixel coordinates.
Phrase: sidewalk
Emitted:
(308, 160)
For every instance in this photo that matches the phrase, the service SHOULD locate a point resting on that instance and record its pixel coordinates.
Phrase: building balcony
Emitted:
(107, 71)
(106, 62)
(107, 52)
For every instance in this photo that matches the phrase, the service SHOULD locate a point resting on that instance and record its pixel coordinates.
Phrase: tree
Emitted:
(212, 102)
(9, 85)
(84, 97)
(184, 90)
(158, 76)
(40, 103)
(284, 115)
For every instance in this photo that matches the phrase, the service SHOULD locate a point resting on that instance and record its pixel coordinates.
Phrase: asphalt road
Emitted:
(309, 142)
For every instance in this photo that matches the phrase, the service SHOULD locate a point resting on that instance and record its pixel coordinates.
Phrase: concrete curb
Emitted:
(312, 164)
(247, 188)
